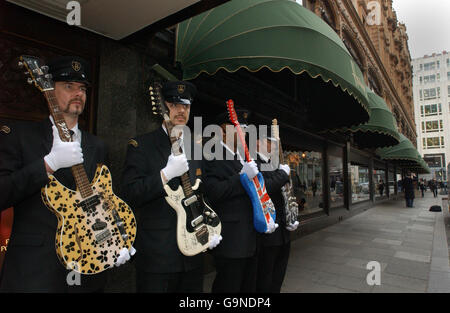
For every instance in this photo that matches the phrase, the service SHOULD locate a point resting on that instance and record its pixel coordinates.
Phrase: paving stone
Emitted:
(404, 282)
(412, 257)
(387, 241)
(421, 228)
(384, 288)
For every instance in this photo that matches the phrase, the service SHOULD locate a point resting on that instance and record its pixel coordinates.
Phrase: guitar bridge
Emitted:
(202, 235)
(103, 236)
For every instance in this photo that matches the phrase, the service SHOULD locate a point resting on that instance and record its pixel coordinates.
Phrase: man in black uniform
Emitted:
(27, 153)
(149, 165)
(235, 258)
(274, 248)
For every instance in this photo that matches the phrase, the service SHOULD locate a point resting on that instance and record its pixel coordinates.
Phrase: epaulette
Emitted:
(133, 143)
(5, 129)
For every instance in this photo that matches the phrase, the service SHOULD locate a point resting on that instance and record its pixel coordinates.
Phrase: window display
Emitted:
(359, 178)
(379, 179)
(306, 175)
(336, 178)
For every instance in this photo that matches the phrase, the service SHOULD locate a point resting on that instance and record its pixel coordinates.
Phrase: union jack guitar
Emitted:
(263, 208)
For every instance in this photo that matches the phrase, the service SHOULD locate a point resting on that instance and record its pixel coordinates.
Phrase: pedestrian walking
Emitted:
(408, 188)
(422, 187)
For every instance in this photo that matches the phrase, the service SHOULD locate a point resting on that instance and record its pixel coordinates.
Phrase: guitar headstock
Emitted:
(275, 129)
(38, 72)
(157, 99)
(232, 113)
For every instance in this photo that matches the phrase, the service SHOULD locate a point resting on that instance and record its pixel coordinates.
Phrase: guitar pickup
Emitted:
(190, 200)
(103, 236)
(197, 221)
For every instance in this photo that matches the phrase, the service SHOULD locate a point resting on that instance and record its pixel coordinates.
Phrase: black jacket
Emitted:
(408, 188)
(142, 188)
(31, 263)
(274, 180)
(231, 202)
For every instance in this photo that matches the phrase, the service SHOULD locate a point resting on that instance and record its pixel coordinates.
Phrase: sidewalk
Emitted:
(409, 243)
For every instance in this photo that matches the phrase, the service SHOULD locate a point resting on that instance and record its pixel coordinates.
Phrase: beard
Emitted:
(74, 108)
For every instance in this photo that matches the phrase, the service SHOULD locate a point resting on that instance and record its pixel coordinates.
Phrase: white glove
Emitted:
(285, 168)
(292, 227)
(271, 227)
(63, 154)
(124, 256)
(176, 166)
(215, 240)
(250, 168)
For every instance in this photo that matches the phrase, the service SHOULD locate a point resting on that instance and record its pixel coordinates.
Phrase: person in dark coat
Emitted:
(235, 257)
(149, 165)
(28, 152)
(381, 187)
(274, 248)
(408, 189)
(422, 187)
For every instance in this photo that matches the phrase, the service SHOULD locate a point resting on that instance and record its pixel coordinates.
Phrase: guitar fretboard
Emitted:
(185, 181)
(78, 171)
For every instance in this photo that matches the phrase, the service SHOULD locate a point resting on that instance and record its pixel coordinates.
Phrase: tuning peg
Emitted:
(20, 64)
(26, 73)
(48, 76)
(30, 81)
(44, 68)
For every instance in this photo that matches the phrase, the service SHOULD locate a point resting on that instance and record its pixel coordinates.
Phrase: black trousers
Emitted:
(186, 282)
(272, 264)
(235, 275)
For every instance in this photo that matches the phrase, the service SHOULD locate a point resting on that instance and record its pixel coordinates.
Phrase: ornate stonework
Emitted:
(379, 45)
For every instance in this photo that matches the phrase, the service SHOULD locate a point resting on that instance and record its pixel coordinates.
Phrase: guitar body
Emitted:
(91, 232)
(193, 240)
(263, 207)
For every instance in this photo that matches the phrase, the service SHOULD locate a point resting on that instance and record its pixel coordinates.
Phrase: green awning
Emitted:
(277, 35)
(405, 155)
(380, 130)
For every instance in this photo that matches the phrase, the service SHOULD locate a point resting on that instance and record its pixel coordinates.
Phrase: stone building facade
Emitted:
(379, 45)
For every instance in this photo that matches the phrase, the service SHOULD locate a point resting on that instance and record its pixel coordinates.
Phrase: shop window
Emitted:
(379, 179)
(391, 183)
(336, 178)
(359, 177)
(306, 175)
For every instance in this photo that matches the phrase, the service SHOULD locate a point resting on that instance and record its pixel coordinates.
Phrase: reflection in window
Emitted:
(391, 183)
(359, 177)
(379, 179)
(306, 176)
(336, 177)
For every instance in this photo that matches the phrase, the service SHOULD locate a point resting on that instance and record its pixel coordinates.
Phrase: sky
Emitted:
(427, 25)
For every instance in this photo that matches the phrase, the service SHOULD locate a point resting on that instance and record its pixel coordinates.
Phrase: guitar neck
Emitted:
(185, 180)
(78, 171)
(242, 140)
(281, 156)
